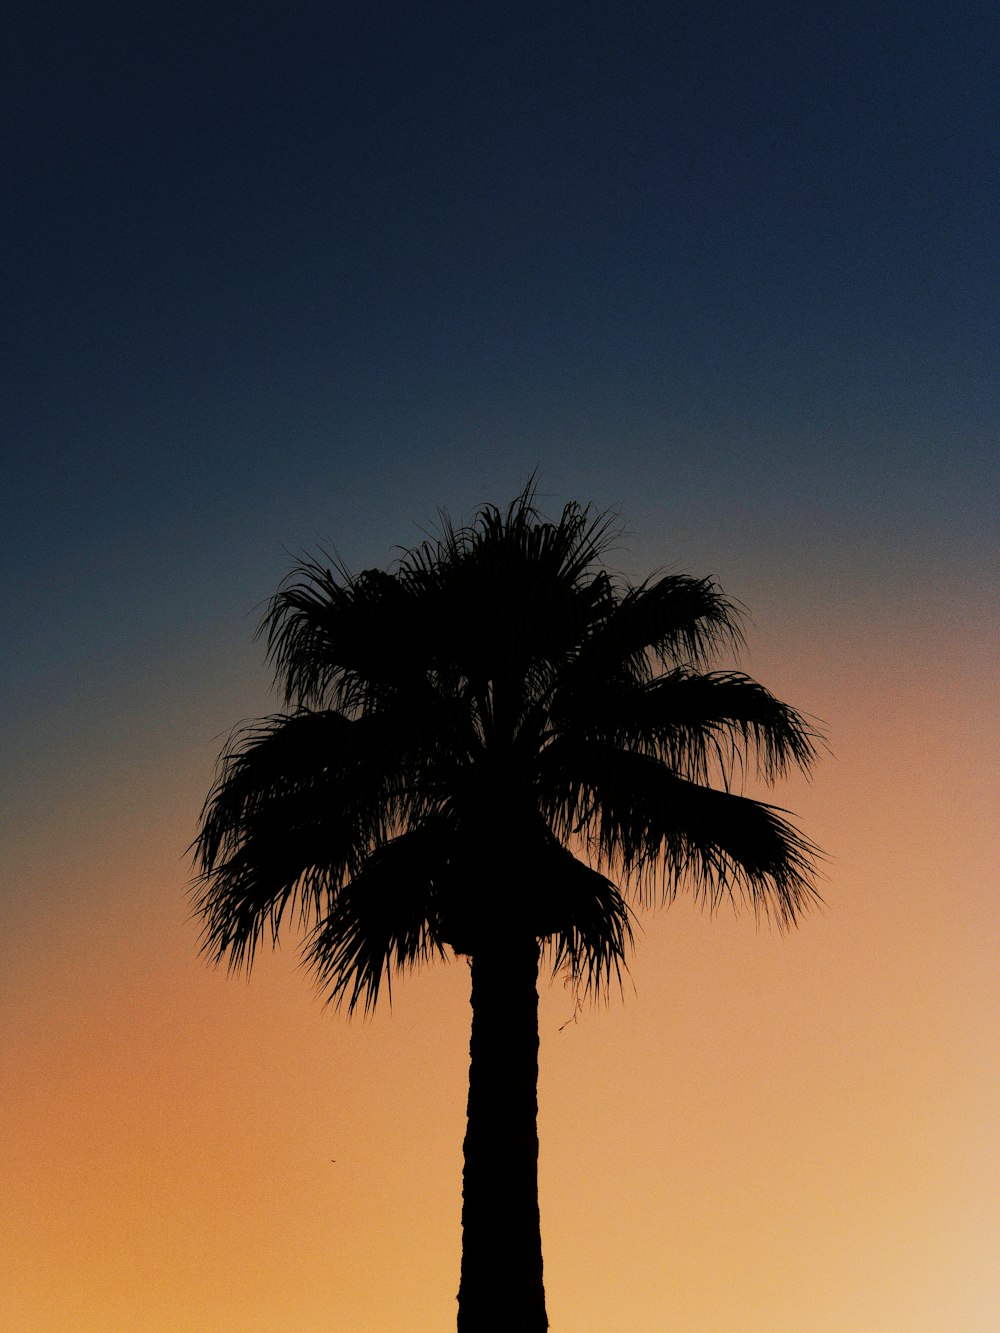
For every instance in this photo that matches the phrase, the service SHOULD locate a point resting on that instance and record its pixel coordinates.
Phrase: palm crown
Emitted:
(497, 737)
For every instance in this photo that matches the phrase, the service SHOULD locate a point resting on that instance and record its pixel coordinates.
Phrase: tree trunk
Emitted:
(501, 1288)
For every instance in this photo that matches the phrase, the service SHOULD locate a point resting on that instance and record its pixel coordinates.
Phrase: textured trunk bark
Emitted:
(501, 1287)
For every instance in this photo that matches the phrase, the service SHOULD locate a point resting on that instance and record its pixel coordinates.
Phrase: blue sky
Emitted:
(277, 278)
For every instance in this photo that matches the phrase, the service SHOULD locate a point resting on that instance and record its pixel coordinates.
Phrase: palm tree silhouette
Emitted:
(485, 749)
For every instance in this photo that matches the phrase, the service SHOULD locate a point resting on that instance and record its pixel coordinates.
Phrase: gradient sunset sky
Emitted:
(283, 276)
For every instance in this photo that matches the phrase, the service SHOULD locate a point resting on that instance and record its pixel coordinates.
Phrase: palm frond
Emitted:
(595, 937)
(702, 725)
(248, 896)
(671, 621)
(341, 640)
(383, 920)
(659, 832)
(508, 595)
(299, 801)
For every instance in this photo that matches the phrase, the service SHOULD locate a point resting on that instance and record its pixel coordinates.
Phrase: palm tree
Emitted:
(487, 749)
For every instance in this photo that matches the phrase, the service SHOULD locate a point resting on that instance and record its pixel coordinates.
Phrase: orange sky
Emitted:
(768, 1135)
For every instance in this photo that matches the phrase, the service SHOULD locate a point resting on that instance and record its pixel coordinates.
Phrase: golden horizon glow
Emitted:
(768, 1133)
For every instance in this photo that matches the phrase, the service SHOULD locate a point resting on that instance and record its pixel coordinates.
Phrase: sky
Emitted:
(283, 277)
